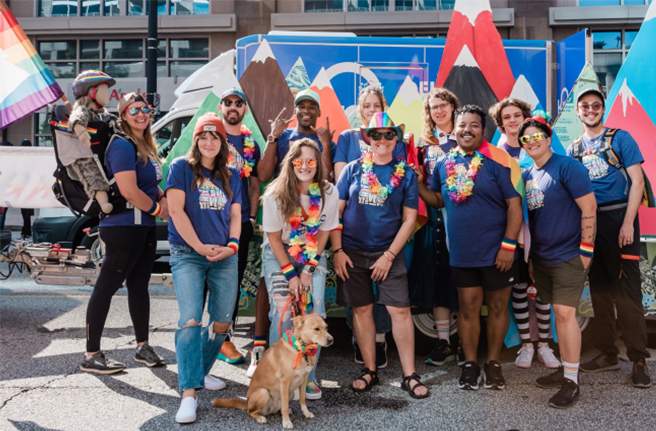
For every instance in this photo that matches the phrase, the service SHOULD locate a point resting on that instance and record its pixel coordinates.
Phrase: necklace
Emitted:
(306, 253)
(249, 153)
(460, 189)
(371, 179)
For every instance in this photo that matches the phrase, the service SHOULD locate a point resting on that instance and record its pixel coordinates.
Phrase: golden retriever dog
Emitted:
(276, 378)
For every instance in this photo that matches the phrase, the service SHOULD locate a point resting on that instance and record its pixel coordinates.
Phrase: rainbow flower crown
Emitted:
(371, 86)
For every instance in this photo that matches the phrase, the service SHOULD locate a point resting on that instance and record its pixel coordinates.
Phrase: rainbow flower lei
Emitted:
(370, 178)
(249, 153)
(460, 189)
(306, 253)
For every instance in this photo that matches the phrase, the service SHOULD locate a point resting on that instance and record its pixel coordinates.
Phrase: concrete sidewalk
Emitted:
(14, 219)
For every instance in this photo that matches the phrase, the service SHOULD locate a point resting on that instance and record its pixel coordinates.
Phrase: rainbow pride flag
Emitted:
(27, 84)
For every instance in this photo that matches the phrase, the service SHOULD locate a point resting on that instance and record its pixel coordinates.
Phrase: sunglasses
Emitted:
(377, 135)
(595, 106)
(228, 103)
(135, 111)
(537, 137)
(298, 163)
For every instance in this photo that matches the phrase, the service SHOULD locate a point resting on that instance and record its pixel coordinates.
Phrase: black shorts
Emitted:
(489, 277)
(358, 289)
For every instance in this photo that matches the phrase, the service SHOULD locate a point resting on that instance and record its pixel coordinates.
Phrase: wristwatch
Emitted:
(271, 138)
(309, 269)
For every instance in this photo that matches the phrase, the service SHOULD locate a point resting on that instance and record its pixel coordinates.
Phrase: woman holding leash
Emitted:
(299, 211)
(378, 201)
(205, 198)
(130, 237)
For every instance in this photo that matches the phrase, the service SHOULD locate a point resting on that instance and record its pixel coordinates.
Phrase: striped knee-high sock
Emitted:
(520, 308)
(544, 320)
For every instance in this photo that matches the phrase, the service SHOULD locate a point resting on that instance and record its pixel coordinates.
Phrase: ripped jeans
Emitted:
(196, 349)
(278, 290)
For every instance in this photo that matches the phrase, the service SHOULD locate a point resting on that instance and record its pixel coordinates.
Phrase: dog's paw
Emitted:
(290, 411)
(287, 425)
(262, 420)
(308, 414)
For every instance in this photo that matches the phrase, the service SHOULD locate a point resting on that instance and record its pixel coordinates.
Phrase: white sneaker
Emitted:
(256, 357)
(547, 357)
(525, 356)
(187, 411)
(214, 384)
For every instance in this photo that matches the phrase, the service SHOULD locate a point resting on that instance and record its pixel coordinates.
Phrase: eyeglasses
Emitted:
(135, 111)
(537, 137)
(377, 135)
(298, 163)
(440, 107)
(595, 106)
(228, 103)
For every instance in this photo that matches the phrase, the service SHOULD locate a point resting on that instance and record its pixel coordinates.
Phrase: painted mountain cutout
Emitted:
(467, 82)
(330, 105)
(408, 107)
(628, 114)
(472, 25)
(266, 97)
(298, 78)
(567, 125)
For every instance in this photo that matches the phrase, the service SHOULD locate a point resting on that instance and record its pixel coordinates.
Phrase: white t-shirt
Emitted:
(274, 221)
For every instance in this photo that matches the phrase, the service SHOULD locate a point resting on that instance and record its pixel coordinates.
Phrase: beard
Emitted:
(233, 121)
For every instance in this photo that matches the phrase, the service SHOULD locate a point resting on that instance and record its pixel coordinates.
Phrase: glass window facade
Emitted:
(59, 8)
(375, 5)
(123, 58)
(324, 6)
(610, 50)
(171, 7)
(613, 2)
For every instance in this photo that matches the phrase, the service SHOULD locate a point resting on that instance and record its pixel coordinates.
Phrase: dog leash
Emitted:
(304, 305)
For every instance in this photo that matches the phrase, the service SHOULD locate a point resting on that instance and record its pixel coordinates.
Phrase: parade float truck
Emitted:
(335, 65)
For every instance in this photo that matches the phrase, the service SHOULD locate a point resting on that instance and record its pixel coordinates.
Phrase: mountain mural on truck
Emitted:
(467, 82)
(472, 26)
(298, 78)
(265, 88)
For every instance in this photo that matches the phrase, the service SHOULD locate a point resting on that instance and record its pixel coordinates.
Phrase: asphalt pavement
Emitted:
(41, 387)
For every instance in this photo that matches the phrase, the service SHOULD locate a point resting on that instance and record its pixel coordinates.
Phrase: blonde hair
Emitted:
(220, 169)
(447, 96)
(285, 187)
(146, 144)
(365, 92)
(497, 108)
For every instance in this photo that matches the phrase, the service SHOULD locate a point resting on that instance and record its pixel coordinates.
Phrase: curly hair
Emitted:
(285, 187)
(497, 109)
(220, 169)
(471, 109)
(447, 96)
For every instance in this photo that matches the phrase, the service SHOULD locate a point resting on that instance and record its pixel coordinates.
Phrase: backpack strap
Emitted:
(577, 149)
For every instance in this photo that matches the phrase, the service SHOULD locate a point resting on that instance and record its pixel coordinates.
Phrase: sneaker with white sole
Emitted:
(313, 391)
(525, 356)
(256, 357)
(547, 357)
(214, 384)
(99, 364)
(147, 356)
(187, 411)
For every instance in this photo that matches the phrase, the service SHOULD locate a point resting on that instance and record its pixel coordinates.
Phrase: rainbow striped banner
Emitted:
(27, 84)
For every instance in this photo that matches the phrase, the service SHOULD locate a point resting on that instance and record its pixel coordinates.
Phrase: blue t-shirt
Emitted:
(350, 146)
(554, 216)
(513, 151)
(290, 135)
(608, 182)
(371, 223)
(431, 154)
(476, 228)
(236, 161)
(207, 206)
(120, 157)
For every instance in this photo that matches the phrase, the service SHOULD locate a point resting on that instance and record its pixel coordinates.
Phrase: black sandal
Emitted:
(368, 384)
(406, 386)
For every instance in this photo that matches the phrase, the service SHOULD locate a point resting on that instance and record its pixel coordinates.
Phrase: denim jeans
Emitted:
(196, 349)
(278, 290)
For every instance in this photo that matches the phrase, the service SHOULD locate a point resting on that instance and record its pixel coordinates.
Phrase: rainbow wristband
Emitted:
(155, 209)
(508, 244)
(313, 262)
(233, 243)
(288, 271)
(587, 249)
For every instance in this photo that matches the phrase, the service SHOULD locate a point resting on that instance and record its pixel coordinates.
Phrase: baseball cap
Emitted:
(307, 95)
(234, 91)
(210, 122)
(128, 100)
(591, 91)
